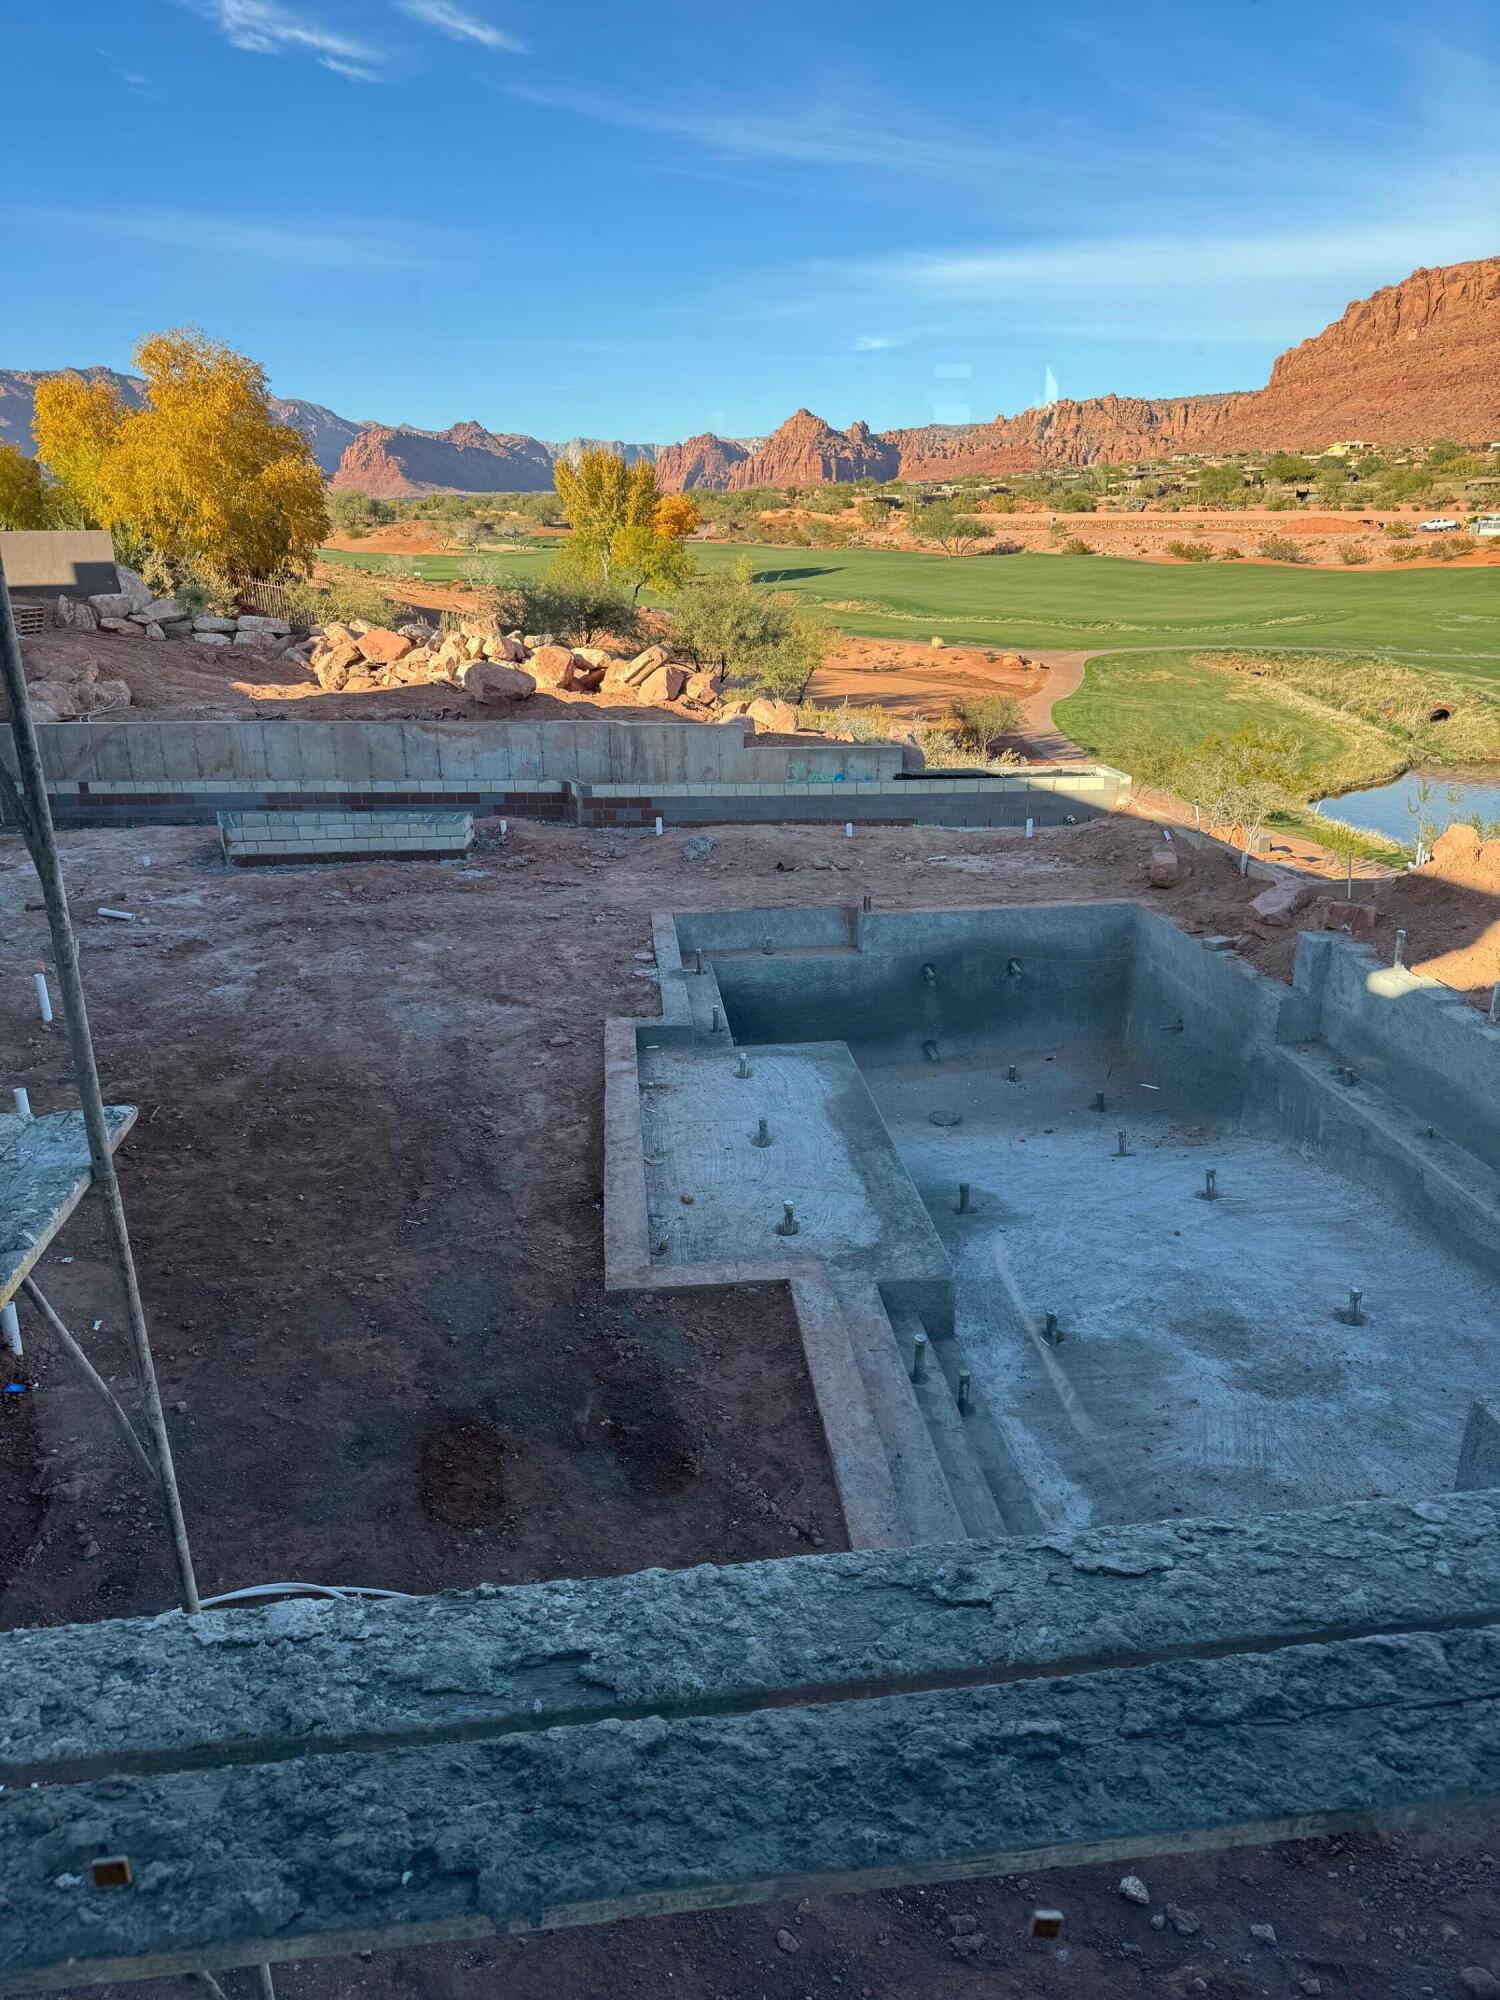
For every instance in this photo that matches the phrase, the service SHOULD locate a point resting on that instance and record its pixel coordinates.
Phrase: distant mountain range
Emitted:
(1413, 362)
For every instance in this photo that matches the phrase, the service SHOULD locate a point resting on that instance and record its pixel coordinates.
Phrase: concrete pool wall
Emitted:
(1200, 1357)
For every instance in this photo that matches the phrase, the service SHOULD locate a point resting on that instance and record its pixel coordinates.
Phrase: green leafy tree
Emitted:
(616, 537)
(949, 525)
(748, 633)
(1218, 485)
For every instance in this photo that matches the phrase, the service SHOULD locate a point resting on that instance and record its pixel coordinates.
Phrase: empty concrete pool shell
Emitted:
(1074, 1206)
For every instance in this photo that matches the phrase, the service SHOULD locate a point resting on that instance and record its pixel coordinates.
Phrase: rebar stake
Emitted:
(742, 1067)
(1122, 1150)
(930, 1050)
(762, 1134)
(698, 959)
(965, 1391)
(1099, 1103)
(788, 1224)
(1495, 1004)
(1209, 1190)
(919, 1358)
(713, 1022)
(768, 947)
(1010, 1075)
(866, 906)
(1398, 957)
(963, 1198)
(1354, 1316)
(1049, 1329)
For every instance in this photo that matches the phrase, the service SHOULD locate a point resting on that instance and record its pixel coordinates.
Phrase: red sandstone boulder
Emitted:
(777, 716)
(489, 682)
(661, 685)
(382, 647)
(1281, 902)
(1164, 868)
(552, 666)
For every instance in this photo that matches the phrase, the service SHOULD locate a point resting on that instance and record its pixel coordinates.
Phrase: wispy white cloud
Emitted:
(462, 26)
(266, 28)
(872, 343)
(194, 235)
(855, 131)
(130, 76)
(1225, 286)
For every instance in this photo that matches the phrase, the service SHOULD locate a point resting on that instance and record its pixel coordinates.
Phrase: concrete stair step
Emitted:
(936, 1398)
(873, 1515)
(929, 1510)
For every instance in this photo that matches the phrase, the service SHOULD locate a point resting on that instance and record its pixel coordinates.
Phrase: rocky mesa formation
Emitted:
(389, 460)
(1413, 362)
(328, 433)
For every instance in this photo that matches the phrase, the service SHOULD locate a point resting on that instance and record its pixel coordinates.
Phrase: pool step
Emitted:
(928, 1508)
(949, 1430)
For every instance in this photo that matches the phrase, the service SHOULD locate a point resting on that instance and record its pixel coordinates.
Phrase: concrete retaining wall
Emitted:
(593, 772)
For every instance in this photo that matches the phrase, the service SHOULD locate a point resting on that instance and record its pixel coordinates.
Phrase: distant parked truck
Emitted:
(1439, 525)
(1486, 524)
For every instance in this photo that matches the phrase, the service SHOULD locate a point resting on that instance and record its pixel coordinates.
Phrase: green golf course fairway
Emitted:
(1092, 603)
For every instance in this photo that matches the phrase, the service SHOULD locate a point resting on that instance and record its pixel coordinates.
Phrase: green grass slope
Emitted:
(1036, 603)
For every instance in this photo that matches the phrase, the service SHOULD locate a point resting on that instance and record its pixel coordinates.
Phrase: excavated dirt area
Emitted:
(365, 1194)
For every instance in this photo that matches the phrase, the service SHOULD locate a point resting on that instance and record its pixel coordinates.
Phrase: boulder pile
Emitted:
(66, 690)
(493, 667)
(134, 612)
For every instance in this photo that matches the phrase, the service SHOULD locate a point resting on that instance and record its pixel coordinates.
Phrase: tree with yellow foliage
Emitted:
(26, 500)
(675, 516)
(612, 511)
(202, 475)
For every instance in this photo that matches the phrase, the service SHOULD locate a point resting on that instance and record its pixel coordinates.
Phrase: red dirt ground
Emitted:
(365, 1195)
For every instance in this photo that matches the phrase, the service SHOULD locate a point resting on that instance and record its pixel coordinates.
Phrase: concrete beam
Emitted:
(315, 1778)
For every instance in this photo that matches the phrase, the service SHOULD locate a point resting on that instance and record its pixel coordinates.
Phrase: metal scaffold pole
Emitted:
(24, 797)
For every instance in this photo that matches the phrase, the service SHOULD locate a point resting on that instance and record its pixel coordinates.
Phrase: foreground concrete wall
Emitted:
(314, 1779)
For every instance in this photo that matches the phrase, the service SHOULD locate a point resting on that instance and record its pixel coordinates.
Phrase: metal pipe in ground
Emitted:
(24, 795)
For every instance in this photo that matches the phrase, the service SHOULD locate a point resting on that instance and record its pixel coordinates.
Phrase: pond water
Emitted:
(1397, 809)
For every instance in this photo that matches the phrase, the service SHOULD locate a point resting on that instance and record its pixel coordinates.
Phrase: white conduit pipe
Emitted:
(251, 1592)
(10, 1327)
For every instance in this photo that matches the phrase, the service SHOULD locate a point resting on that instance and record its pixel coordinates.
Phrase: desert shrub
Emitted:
(578, 612)
(1354, 553)
(977, 720)
(1231, 555)
(1281, 548)
(1461, 545)
(1398, 530)
(756, 638)
(1405, 552)
(857, 725)
(1075, 545)
(1191, 551)
(352, 594)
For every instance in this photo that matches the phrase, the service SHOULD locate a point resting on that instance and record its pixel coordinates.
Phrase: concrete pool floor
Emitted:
(1203, 1369)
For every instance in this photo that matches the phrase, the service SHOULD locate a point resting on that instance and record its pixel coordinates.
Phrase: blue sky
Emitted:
(646, 221)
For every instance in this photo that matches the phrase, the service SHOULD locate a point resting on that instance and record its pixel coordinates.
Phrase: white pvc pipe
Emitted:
(43, 997)
(10, 1327)
(23, 1103)
(848, 829)
(658, 824)
(1030, 828)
